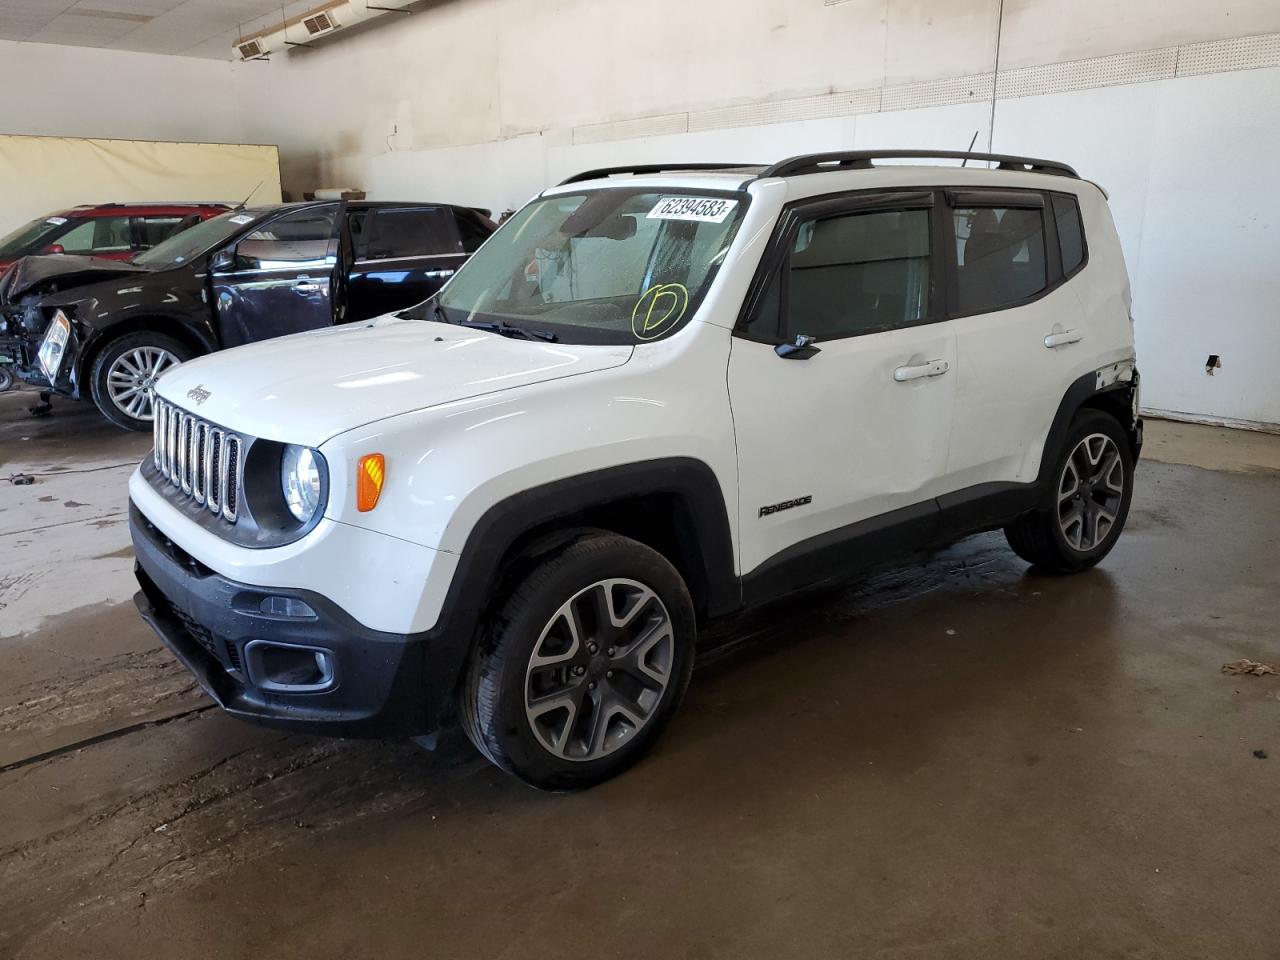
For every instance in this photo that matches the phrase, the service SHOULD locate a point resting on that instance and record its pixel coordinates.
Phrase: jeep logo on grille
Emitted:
(199, 394)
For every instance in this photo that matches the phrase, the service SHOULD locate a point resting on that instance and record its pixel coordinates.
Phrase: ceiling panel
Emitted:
(195, 28)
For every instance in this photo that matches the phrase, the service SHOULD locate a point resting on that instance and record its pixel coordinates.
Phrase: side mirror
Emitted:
(222, 261)
(801, 348)
(54, 248)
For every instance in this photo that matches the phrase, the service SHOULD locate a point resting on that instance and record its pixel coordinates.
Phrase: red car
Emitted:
(115, 231)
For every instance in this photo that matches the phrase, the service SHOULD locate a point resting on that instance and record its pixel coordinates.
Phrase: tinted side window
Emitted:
(1066, 212)
(296, 240)
(858, 273)
(412, 233)
(473, 231)
(99, 235)
(1000, 257)
(148, 231)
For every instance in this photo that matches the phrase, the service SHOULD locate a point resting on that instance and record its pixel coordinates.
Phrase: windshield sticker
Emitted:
(241, 219)
(56, 221)
(698, 209)
(658, 310)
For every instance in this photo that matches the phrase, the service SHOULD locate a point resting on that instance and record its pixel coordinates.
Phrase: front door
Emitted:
(403, 255)
(852, 438)
(282, 278)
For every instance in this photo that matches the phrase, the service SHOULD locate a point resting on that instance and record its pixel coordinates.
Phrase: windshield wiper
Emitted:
(507, 330)
(440, 315)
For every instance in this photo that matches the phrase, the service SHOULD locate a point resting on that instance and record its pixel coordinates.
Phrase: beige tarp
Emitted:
(40, 175)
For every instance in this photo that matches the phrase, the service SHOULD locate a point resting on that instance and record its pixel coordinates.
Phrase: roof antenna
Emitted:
(245, 202)
(970, 150)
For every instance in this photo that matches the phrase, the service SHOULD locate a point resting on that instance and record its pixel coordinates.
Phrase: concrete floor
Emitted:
(958, 759)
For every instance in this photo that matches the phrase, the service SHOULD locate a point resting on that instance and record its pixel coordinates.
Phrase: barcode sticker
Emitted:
(698, 209)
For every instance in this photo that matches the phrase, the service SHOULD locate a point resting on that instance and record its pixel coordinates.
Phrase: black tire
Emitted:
(1039, 538)
(493, 696)
(113, 352)
(6, 378)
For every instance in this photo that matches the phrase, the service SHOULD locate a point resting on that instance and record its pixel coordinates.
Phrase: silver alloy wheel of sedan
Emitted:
(1090, 492)
(131, 380)
(599, 670)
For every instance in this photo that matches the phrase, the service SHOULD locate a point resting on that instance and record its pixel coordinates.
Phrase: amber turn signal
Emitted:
(369, 477)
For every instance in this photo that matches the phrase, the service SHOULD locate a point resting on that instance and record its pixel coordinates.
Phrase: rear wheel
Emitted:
(583, 667)
(1084, 511)
(125, 372)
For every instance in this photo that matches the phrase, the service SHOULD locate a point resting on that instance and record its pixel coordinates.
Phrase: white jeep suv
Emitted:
(657, 395)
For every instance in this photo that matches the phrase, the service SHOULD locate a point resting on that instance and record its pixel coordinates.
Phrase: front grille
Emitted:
(198, 458)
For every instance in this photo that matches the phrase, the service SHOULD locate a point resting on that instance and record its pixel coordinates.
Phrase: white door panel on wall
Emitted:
(1206, 280)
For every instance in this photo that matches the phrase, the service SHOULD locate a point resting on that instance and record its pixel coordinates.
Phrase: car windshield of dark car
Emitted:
(182, 247)
(617, 265)
(21, 241)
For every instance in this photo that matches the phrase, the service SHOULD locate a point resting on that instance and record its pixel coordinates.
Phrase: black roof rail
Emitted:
(656, 168)
(862, 160)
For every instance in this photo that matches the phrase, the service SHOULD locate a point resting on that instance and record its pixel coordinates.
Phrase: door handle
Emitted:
(1062, 338)
(934, 368)
(306, 286)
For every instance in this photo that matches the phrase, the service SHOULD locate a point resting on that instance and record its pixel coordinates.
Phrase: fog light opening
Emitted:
(289, 669)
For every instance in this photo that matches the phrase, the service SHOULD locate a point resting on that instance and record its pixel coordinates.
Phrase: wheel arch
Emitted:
(1115, 399)
(674, 505)
(142, 323)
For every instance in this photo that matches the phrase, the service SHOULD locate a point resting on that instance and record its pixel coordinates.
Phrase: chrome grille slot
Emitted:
(199, 472)
(184, 452)
(199, 459)
(231, 476)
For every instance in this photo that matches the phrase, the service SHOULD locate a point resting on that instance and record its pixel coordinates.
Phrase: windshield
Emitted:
(605, 266)
(28, 235)
(183, 247)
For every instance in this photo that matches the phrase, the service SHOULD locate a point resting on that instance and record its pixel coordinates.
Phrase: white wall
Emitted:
(54, 90)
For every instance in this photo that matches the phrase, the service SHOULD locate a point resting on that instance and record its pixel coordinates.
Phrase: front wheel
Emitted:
(1082, 515)
(124, 375)
(582, 668)
(6, 378)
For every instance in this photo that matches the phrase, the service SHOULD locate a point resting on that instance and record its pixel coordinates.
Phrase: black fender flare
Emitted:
(529, 519)
(1084, 392)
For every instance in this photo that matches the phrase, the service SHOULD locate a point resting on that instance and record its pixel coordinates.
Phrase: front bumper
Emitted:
(378, 685)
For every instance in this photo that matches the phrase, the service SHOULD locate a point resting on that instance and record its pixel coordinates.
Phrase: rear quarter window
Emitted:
(1066, 213)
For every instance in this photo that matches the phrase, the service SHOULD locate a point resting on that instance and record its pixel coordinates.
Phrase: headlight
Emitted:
(54, 345)
(300, 481)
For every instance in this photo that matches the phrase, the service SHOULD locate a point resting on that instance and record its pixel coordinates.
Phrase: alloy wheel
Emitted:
(599, 670)
(1090, 492)
(131, 379)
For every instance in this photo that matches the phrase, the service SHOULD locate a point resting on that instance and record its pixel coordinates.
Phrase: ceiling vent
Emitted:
(319, 24)
(252, 49)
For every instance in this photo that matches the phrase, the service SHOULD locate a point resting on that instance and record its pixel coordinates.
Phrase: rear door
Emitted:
(1019, 329)
(402, 256)
(282, 277)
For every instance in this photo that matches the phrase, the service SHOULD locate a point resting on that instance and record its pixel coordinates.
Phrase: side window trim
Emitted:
(242, 269)
(943, 279)
(779, 249)
(1007, 198)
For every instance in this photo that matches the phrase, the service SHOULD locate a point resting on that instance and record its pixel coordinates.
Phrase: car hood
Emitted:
(309, 387)
(62, 272)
